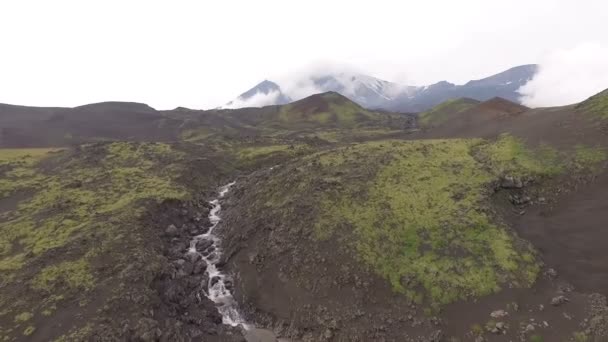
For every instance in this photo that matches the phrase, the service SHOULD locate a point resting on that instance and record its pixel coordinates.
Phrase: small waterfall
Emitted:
(218, 288)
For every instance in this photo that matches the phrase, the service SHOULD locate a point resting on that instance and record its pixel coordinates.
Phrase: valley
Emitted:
(314, 220)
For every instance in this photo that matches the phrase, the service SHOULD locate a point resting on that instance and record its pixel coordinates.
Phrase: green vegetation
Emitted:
(251, 157)
(580, 337)
(442, 112)
(262, 151)
(29, 330)
(23, 317)
(421, 223)
(70, 200)
(59, 201)
(196, 134)
(536, 338)
(332, 109)
(477, 329)
(596, 105)
(73, 274)
(510, 156)
(17, 164)
(417, 212)
(75, 335)
(348, 135)
(588, 158)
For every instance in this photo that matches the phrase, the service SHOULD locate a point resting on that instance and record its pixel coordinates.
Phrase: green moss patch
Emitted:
(73, 274)
(510, 156)
(596, 105)
(82, 209)
(262, 151)
(442, 112)
(418, 212)
(421, 223)
(23, 317)
(76, 194)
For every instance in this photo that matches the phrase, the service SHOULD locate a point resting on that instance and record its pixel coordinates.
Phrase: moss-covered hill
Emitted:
(322, 117)
(416, 213)
(442, 112)
(73, 249)
(318, 119)
(596, 105)
(423, 215)
(334, 217)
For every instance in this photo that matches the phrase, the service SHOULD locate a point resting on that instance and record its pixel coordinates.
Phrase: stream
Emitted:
(219, 286)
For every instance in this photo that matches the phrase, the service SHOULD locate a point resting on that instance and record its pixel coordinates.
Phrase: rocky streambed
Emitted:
(206, 248)
(195, 289)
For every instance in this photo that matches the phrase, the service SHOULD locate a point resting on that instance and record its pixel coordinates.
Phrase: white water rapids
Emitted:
(219, 283)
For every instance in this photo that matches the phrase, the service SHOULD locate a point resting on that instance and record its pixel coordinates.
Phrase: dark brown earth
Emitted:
(314, 291)
(318, 291)
(39, 127)
(305, 290)
(571, 234)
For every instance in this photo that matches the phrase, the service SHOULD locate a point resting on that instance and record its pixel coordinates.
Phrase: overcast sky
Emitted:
(201, 54)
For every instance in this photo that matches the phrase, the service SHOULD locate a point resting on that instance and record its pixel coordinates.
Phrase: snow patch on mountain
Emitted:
(259, 99)
(373, 93)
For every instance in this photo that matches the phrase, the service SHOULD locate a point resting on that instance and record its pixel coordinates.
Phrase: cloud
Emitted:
(303, 82)
(257, 100)
(300, 83)
(568, 76)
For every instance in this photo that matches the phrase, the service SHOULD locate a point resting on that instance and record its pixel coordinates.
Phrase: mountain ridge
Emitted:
(374, 93)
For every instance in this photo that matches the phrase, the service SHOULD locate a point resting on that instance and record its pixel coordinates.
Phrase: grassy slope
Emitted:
(440, 113)
(330, 117)
(327, 109)
(417, 212)
(596, 105)
(68, 200)
(321, 119)
(70, 224)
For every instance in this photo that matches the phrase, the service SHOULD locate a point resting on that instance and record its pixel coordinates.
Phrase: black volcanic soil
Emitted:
(37, 127)
(311, 291)
(315, 292)
(318, 291)
(182, 311)
(307, 290)
(571, 234)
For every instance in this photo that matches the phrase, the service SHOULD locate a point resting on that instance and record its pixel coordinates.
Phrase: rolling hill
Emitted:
(118, 121)
(339, 222)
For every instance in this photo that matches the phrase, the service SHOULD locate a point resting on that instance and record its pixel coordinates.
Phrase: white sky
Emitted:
(201, 54)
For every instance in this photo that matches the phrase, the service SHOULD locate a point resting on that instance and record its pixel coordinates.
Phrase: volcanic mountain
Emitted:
(264, 94)
(337, 223)
(374, 93)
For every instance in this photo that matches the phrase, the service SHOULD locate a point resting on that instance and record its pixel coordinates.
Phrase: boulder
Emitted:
(171, 230)
(498, 314)
(551, 273)
(199, 267)
(559, 300)
(510, 182)
(203, 244)
(188, 267)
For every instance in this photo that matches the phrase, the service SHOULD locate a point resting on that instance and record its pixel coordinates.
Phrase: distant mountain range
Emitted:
(374, 93)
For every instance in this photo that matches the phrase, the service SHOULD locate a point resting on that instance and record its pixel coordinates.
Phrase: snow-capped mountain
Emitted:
(374, 93)
(266, 93)
(369, 92)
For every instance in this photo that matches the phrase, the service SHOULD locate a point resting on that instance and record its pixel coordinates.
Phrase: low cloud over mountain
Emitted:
(568, 76)
(371, 92)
